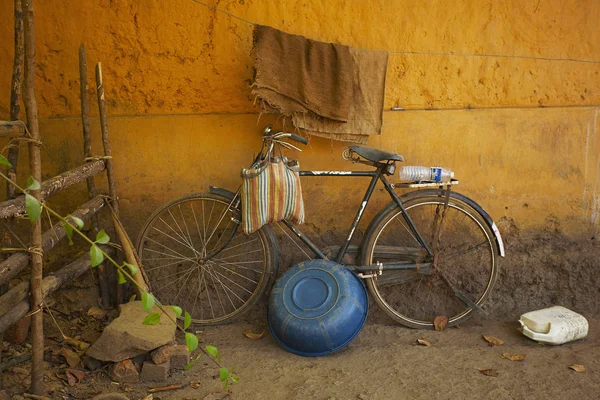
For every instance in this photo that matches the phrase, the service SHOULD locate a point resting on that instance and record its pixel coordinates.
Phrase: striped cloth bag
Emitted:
(271, 192)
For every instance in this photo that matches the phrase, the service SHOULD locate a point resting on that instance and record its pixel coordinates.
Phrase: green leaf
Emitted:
(78, 222)
(177, 310)
(4, 161)
(102, 237)
(96, 255)
(223, 374)
(187, 320)
(122, 279)
(132, 268)
(191, 341)
(233, 376)
(152, 319)
(33, 207)
(191, 364)
(69, 232)
(32, 184)
(212, 350)
(147, 301)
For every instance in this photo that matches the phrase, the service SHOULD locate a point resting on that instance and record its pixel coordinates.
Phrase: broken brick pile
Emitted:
(153, 367)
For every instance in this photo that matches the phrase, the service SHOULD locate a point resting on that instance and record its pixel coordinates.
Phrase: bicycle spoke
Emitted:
(182, 236)
(174, 245)
(228, 248)
(183, 285)
(217, 292)
(165, 265)
(237, 274)
(233, 293)
(162, 245)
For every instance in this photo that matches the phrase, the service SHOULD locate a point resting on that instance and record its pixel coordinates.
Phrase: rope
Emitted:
(37, 310)
(32, 250)
(429, 53)
(36, 250)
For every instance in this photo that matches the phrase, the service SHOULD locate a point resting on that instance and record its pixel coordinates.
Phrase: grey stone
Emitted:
(128, 337)
(155, 372)
(180, 357)
(91, 363)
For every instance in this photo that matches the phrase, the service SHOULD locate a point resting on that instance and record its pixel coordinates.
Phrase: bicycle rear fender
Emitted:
(458, 196)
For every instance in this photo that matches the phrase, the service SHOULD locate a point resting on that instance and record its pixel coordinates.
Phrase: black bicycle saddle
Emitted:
(375, 155)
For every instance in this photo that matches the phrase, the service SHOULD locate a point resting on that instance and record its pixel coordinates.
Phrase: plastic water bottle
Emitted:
(418, 174)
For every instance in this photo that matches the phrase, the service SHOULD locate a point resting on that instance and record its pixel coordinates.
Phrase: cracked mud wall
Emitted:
(523, 77)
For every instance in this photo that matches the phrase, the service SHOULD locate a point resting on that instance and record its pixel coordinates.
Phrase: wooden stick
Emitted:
(50, 284)
(15, 95)
(16, 207)
(11, 267)
(35, 396)
(85, 122)
(165, 388)
(103, 281)
(14, 361)
(112, 185)
(35, 167)
(11, 129)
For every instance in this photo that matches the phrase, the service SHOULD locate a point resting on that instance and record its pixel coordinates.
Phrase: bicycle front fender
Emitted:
(221, 192)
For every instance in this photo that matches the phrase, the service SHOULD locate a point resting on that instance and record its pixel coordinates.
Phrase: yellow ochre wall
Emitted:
(506, 93)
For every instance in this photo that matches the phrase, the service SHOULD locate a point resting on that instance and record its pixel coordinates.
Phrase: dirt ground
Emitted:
(383, 362)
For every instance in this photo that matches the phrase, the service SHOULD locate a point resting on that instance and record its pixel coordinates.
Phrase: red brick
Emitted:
(162, 354)
(18, 332)
(124, 371)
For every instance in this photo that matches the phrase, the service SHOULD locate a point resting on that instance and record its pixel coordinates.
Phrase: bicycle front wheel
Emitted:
(463, 270)
(195, 257)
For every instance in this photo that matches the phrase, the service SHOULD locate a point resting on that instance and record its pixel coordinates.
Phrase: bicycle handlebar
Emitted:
(298, 138)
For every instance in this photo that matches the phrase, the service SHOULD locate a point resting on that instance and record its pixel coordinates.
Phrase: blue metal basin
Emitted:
(317, 307)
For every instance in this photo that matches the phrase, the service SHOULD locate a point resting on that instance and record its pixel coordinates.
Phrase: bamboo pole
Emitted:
(35, 167)
(15, 94)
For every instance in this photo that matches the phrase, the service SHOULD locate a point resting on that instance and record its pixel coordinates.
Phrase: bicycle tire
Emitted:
(173, 247)
(467, 258)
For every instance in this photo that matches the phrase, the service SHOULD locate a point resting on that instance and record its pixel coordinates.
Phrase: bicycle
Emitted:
(429, 252)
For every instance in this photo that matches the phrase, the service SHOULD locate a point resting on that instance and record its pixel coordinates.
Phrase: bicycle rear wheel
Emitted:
(465, 263)
(196, 257)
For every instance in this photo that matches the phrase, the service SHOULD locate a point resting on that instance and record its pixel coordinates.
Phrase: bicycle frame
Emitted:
(375, 176)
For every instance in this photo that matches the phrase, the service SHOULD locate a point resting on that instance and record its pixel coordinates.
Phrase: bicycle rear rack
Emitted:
(409, 185)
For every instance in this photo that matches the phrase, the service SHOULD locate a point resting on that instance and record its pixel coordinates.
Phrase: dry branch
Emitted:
(112, 186)
(16, 207)
(35, 168)
(11, 129)
(50, 284)
(10, 267)
(15, 94)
